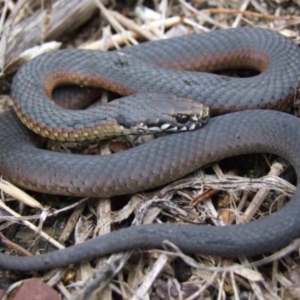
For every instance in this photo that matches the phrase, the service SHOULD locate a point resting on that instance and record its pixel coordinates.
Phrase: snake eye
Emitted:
(182, 118)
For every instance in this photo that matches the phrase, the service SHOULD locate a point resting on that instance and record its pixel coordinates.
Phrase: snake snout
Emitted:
(171, 113)
(190, 114)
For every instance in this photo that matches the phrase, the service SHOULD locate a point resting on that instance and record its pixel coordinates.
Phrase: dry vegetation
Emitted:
(31, 27)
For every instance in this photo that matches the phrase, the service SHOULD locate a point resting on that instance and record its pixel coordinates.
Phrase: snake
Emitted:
(248, 116)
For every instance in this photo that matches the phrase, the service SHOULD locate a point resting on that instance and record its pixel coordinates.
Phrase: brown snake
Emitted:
(158, 67)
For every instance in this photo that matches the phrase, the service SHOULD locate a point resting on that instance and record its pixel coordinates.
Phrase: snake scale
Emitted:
(163, 67)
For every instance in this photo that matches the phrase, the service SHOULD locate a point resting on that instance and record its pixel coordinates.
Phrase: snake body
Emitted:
(147, 68)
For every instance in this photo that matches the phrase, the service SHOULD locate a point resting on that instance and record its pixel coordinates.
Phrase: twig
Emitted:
(249, 14)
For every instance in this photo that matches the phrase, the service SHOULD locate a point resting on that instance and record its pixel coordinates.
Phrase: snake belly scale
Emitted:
(164, 67)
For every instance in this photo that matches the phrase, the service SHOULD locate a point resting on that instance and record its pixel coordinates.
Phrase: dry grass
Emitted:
(156, 274)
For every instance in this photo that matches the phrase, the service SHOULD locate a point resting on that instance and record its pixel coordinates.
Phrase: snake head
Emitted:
(166, 113)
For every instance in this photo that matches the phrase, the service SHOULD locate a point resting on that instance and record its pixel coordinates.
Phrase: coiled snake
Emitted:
(160, 67)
